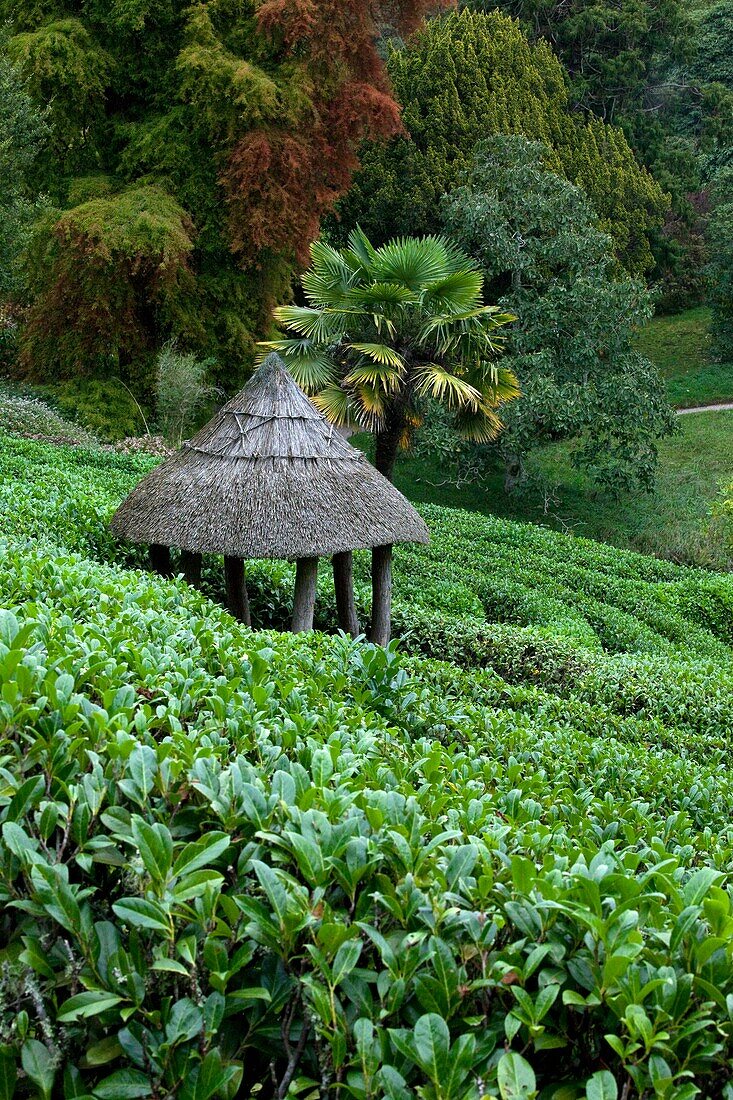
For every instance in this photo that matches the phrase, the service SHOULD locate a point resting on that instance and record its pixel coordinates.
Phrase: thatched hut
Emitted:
(270, 477)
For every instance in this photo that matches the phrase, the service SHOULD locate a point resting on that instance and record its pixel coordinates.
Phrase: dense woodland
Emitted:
(493, 858)
(168, 167)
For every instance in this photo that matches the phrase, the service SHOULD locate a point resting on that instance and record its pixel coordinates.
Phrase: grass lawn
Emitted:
(680, 347)
(672, 522)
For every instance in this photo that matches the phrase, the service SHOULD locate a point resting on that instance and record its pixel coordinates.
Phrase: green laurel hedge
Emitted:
(242, 864)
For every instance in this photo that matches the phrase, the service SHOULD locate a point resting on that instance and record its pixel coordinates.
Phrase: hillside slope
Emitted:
(229, 857)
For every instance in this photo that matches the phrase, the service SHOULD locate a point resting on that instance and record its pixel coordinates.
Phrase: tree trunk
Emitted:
(304, 600)
(381, 594)
(343, 580)
(236, 588)
(160, 559)
(190, 566)
(514, 472)
(387, 446)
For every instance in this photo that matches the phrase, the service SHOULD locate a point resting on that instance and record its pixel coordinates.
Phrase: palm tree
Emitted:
(384, 326)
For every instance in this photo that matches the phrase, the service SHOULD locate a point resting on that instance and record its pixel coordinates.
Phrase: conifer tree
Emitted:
(466, 77)
(195, 149)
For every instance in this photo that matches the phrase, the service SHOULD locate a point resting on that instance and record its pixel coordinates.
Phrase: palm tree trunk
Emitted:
(343, 581)
(386, 451)
(381, 595)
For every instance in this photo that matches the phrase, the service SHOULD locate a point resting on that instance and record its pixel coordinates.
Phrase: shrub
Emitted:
(105, 406)
(182, 393)
(29, 416)
(237, 864)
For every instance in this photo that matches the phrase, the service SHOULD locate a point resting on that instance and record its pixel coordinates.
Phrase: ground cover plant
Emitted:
(241, 864)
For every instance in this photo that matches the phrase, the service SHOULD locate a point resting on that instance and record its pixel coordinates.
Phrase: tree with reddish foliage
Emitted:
(279, 184)
(195, 150)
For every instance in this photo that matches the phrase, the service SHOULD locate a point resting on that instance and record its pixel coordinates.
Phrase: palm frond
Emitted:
(442, 384)
(336, 404)
(480, 425)
(362, 250)
(374, 375)
(287, 348)
(380, 353)
(497, 384)
(457, 290)
(314, 372)
(414, 261)
(320, 325)
(371, 405)
(329, 277)
(379, 293)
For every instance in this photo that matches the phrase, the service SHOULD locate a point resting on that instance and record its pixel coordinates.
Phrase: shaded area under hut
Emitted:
(270, 477)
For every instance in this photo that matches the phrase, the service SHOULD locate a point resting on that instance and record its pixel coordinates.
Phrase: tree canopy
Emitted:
(194, 151)
(571, 348)
(466, 77)
(22, 133)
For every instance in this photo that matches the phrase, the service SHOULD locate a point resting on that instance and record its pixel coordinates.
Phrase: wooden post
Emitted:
(381, 594)
(304, 600)
(190, 566)
(236, 587)
(160, 559)
(343, 580)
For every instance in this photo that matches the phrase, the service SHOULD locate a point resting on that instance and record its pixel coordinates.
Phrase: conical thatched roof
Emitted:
(268, 477)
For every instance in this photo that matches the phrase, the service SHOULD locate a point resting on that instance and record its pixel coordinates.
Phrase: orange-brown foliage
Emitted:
(280, 183)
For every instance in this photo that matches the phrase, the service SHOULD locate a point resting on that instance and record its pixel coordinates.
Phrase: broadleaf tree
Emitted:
(536, 238)
(23, 130)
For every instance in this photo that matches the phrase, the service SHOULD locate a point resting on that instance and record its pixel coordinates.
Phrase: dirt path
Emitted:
(705, 408)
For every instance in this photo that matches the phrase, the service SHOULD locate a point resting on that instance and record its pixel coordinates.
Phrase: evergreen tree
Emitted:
(609, 47)
(467, 77)
(720, 266)
(571, 347)
(195, 149)
(22, 132)
(663, 74)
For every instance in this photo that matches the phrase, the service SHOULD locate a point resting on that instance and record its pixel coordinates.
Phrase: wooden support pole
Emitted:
(160, 559)
(236, 588)
(343, 581)
(304, 600)
(190, 566)
(381, 595)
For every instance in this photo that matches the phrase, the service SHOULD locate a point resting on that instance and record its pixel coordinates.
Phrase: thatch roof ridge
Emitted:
(268, 476)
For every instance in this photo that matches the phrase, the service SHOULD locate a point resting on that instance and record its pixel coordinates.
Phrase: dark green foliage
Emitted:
(608, 46)
(230, 859)
(233, 125)
(105, 406)
(572, 346)
(659, 72)
(115, 272)
(22, 132)
(720, 266)
(713, 60)
(466, 78)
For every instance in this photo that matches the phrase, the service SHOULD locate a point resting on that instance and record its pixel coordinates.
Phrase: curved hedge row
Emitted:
(240, 864)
